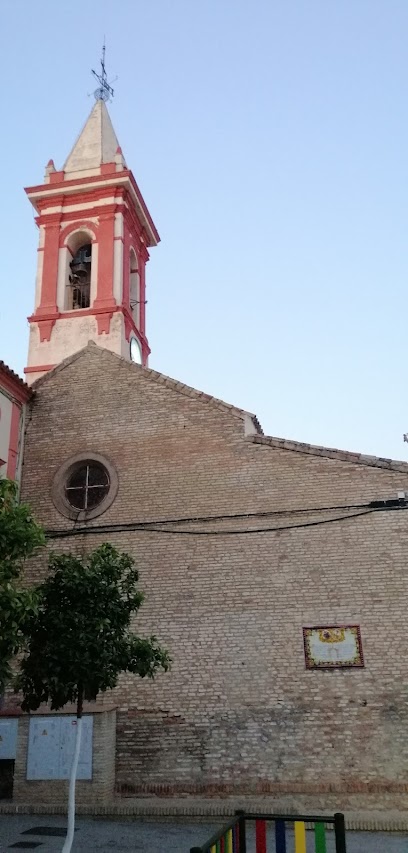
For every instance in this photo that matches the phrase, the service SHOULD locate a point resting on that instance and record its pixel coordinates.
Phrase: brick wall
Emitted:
(97, 790)
(238, 711)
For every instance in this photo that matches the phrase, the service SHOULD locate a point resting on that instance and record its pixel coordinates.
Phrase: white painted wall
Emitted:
(69, 335)
(40, 264)
(118, 259)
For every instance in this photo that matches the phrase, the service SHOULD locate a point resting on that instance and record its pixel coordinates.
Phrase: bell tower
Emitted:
(94, 235)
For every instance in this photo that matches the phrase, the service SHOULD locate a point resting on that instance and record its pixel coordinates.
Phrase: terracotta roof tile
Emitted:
(14, 379)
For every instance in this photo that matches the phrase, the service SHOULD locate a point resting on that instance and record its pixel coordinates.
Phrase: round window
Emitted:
(85, 486)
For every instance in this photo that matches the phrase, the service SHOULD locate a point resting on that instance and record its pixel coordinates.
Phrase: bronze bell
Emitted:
(79, 270)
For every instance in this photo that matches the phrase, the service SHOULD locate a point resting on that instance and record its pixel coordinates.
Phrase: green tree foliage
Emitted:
(20, 536)
(80, 639)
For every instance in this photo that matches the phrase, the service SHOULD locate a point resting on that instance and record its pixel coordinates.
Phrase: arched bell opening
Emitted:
(79, 272)
(134, 290)
(79, 278)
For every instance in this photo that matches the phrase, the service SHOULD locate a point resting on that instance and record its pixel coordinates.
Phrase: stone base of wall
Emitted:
(377, 791)
(360, 815)
(96, 791)
(363, 808)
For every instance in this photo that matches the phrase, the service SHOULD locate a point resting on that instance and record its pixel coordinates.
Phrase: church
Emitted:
(275, 572)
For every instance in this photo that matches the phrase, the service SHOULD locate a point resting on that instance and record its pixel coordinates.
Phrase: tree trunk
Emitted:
(74, 767)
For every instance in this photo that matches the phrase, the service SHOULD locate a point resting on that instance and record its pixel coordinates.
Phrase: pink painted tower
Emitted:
(95, 232)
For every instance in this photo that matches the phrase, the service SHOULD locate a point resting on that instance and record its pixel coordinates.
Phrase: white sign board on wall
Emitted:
(8, 737)
(51, 743)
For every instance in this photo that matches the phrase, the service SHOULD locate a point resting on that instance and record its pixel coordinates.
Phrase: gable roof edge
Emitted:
(331, 453)
(251, 422)
(189, 391)
(61, 366)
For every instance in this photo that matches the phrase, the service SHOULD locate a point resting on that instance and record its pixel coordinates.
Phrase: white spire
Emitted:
(96, 144)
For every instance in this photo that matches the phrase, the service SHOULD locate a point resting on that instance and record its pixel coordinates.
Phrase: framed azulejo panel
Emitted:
(333, 647)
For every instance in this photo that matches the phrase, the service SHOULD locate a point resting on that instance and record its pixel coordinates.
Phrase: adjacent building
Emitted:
(14, 396)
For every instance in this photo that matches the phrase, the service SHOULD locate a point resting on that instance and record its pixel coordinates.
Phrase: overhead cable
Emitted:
(156, 527)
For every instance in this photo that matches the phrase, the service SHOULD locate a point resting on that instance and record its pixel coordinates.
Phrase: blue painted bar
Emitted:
(280, 836)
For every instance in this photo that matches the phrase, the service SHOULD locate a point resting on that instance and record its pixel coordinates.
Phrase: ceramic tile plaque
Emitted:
(333, 647)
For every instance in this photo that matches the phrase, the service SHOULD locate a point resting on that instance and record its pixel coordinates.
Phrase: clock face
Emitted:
(135, 351)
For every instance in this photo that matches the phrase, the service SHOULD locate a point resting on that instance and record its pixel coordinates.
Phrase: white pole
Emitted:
(71, 799)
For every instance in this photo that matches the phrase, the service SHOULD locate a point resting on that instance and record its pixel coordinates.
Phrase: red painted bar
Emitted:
(222, 845)
(260, 831)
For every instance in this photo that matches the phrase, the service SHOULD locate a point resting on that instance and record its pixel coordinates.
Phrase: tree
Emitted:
(80, 640)
(20, 536)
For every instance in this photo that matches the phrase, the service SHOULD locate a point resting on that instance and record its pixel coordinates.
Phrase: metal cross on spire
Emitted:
(104, 92)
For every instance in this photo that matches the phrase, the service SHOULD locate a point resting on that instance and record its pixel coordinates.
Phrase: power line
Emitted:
(149, 528)
(132, 525)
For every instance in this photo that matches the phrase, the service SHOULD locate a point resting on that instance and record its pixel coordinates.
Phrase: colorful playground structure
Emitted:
(284, 830)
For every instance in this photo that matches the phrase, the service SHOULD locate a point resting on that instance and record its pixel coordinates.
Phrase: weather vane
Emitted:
(104, 92)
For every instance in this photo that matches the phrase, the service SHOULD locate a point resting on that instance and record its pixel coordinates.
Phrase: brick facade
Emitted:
(99, 790)
(238, 711)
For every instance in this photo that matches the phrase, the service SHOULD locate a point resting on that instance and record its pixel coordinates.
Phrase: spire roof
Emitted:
(96, 144)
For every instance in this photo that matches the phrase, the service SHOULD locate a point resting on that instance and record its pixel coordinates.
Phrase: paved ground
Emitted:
(136, 836)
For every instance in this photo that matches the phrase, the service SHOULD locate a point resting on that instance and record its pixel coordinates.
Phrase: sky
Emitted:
(270, 142)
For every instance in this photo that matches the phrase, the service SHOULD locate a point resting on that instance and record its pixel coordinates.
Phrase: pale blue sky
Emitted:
(270, 141)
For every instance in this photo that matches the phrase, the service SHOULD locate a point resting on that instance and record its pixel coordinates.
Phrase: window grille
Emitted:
(87, 486)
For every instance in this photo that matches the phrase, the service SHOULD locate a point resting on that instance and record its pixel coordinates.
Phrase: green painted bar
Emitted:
(320, 838)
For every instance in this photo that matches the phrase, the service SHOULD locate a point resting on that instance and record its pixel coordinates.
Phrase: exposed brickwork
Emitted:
(238, 710)
(98, 790)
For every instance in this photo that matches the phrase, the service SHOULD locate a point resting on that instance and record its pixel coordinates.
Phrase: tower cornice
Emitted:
(61, 191)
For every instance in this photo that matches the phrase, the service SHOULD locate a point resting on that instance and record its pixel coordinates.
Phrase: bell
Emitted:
(79, 269)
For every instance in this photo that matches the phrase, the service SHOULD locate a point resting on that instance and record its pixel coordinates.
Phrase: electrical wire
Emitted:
(123, 528)
(132, 525)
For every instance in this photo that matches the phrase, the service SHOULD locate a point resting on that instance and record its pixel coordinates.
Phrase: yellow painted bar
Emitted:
(300, 836)
(228, 838)
(213, 849)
